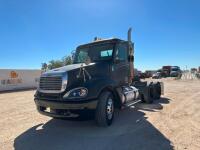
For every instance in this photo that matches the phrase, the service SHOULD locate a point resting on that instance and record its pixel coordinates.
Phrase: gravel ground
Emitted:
(173, 122)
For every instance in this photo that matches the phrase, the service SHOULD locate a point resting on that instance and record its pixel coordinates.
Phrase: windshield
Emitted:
(94, 53)
(175, 69)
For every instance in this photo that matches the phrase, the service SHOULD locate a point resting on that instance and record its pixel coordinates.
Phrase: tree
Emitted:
(55, 64)
(66, 60)
(44, 66)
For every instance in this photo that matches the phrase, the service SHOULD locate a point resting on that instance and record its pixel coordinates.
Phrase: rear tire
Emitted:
(147, 95)
(156, 90)
(105, 109)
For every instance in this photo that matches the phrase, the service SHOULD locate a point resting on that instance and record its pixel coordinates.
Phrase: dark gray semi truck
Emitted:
(100, 80)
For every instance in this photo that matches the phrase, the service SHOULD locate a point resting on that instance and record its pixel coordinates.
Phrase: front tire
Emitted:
(105, 109)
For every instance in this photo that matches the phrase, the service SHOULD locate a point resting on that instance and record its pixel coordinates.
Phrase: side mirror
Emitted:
(131, 58)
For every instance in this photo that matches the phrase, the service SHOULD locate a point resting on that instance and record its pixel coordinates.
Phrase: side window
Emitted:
(121, 52)
(106, 53)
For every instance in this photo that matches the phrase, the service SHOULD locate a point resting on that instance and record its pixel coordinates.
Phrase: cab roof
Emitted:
(101, 41)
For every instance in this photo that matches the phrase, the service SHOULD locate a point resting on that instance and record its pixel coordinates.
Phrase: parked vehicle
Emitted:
(149, 73)
(166, 71)
(156, 75)
(99, 80)
(175, 71)
(193, 70)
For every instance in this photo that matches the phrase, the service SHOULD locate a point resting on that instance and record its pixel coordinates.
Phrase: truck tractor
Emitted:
(100, 80)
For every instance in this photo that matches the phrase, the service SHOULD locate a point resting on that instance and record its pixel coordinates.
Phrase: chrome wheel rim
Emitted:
(110, 108)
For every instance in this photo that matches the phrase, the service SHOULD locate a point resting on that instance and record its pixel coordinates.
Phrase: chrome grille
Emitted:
(51, 83)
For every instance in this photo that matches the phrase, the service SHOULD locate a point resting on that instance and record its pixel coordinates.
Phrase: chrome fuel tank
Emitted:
(130, 93)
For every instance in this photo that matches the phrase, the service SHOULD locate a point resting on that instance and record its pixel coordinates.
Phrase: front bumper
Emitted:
(64, 109)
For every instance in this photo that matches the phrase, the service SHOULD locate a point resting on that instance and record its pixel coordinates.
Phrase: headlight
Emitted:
(64, 83)
(76, 93)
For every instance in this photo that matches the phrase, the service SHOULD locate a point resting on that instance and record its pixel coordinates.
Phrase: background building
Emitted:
(12, 79)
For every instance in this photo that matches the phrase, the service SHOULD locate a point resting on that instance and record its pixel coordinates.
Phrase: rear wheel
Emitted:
(105, 109)
(156, 90)
(147, 95)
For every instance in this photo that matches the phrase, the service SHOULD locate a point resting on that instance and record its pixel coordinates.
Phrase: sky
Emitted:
(37, 31)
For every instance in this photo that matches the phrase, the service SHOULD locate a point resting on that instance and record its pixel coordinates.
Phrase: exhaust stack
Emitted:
(131, 56)
(129, 34)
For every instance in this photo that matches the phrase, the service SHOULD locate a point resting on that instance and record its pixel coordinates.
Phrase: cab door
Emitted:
(121, 66)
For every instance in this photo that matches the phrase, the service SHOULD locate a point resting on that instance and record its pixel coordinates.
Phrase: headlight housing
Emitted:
(79, 92)
(64, 83)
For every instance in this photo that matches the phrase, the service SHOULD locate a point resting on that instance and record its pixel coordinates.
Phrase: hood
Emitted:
(76, 77)
(67, 68)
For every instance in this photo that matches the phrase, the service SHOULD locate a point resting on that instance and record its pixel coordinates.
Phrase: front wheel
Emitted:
(105, 109)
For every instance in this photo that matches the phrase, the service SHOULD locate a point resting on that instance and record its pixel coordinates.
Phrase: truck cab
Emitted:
(99, 81)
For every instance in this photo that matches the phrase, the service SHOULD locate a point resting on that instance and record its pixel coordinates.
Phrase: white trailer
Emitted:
(15, 79)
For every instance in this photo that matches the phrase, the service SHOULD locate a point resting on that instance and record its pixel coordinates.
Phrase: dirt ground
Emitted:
(173, 122)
